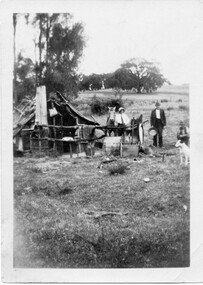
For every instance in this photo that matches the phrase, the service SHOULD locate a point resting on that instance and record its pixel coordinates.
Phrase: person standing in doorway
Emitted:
(158, 121)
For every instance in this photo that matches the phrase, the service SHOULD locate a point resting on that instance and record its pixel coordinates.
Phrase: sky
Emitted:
(166, 31)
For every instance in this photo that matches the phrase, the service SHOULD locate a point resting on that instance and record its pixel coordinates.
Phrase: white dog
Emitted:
(184, 152)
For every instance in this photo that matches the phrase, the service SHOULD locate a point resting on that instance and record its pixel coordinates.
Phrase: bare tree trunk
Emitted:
(47, 39)
(40, 52)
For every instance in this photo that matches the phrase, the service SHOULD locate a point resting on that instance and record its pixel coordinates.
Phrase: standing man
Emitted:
(158, 121)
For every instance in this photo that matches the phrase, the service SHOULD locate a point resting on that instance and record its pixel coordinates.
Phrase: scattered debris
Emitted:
(105, 161)
(44, 170)
(28, 189)
(99, 214)
(102, 214)
(139, 161)
(185, 207)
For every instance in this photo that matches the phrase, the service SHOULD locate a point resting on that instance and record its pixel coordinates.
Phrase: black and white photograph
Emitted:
(102, 122)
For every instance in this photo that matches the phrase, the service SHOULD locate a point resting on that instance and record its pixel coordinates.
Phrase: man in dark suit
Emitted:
(158, 121)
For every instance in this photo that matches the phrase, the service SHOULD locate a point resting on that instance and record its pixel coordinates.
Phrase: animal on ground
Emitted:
(184, 152)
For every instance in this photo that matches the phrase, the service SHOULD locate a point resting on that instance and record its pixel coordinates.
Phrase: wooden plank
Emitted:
(41, 147)
(60, 127)
(76, 127)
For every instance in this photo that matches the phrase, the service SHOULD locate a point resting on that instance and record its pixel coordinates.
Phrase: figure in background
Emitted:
(183, 133)
(158, 121)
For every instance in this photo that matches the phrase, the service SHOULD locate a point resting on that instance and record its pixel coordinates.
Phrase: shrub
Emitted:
(97, 106)
(170, 108)
(181, 107)
(118, 168)
(100, 106)
(164, 101)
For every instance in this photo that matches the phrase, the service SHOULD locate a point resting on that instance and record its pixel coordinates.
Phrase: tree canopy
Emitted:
(145, 75)
(139, 74)
(59, 44)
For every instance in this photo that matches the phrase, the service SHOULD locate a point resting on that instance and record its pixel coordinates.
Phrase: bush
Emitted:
(181, 107)
(100, 106)
(164, 101)
(118, 168)
(170, 108)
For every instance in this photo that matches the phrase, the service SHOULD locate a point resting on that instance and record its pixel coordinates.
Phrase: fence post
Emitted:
(70, 147)
(133, 122)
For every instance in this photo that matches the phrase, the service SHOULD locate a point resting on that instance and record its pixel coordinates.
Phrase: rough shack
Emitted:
(41, 124)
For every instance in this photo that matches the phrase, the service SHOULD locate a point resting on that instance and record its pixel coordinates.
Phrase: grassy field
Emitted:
(73, 213)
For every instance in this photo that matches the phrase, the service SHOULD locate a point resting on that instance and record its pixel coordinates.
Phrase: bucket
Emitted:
(130, 150)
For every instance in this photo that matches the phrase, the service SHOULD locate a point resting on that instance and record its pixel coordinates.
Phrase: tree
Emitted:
(122, 79)
(91, 82)
(146, 75)
(14, 53)
(60, 46)
(25, 77)
(15, 20)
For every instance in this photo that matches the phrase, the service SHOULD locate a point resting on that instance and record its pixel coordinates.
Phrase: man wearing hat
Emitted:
(158, 121)
(183, 133)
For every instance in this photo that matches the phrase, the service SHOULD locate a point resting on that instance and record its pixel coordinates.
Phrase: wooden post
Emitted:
(62, 134)
(77, 149)
(54, 146)
(40, 142)
(80, 135)
(70, 147)
(92, 149)
(121, 149)
(133, 122)
(31, 141)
